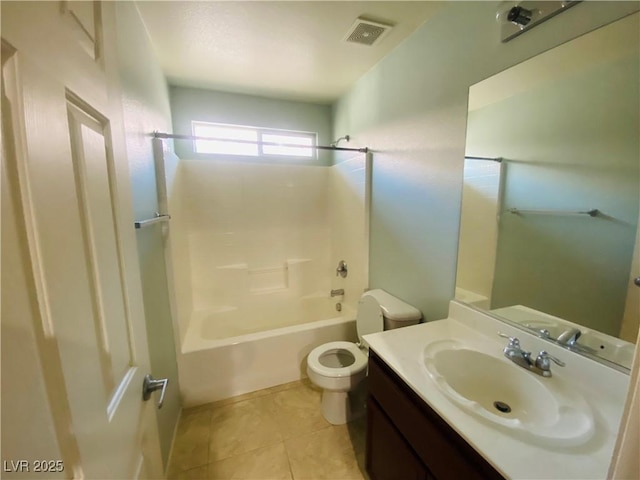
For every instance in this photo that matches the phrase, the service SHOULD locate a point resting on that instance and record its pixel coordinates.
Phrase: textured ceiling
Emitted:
(283, 49)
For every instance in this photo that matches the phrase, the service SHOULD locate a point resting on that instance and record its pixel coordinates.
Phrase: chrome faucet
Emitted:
(514, 353)
(540, 366)
(339, 291)
(569, 337)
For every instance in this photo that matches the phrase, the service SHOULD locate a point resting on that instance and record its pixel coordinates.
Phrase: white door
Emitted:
(67, 168)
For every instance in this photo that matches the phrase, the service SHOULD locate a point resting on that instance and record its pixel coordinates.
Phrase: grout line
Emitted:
(261, 447)
(245, 396)
(286, 452)
(209, 443)
(262, 396)
(309, 432)
(170, 467)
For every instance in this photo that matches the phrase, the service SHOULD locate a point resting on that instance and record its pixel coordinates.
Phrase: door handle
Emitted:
(150, 385)
(636, 281)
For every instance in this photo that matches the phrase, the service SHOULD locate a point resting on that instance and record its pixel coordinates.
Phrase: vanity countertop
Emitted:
(513, 455)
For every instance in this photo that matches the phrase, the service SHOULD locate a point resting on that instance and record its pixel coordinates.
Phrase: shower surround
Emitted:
(254, 247)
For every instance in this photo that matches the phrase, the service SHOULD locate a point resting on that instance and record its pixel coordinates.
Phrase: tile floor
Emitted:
(272, 434)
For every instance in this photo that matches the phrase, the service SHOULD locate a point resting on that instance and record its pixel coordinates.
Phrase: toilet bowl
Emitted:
(339, 368)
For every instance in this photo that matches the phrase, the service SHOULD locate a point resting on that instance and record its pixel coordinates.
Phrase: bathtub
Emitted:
(223, 355)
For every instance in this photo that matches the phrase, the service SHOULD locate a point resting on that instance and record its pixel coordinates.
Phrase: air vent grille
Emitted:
(366, 32)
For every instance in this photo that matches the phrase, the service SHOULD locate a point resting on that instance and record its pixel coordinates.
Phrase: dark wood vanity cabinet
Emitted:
(407, 440)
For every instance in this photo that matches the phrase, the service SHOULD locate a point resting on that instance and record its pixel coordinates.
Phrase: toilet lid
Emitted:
(369, 318)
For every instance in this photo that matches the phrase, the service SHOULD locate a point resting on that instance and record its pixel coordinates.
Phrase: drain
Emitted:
(502, 407)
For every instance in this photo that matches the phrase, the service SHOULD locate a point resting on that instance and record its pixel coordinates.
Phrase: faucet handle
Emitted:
(513, 341)
(542, 361)
(342, 269)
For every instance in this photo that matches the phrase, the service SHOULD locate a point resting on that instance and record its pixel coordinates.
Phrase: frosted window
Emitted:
(226, 145)
(284, 148)
(251, 141)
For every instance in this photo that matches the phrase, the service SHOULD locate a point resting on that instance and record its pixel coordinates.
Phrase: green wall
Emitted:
(411, 110)
(146, 108)
(583, 155)
(192, 104)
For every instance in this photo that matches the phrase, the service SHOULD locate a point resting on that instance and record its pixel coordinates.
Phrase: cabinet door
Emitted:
(388, 455)
(437, 446)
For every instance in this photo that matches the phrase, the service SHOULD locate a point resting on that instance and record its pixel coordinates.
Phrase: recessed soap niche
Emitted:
(295, 275)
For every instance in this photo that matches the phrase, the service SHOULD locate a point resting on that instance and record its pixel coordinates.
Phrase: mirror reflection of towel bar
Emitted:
(158, 218)
(592, 213)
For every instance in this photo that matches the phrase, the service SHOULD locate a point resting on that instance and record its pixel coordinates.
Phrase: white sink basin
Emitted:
(496, 390)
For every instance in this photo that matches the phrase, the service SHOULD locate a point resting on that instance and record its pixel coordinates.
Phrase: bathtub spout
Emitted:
(339, 291)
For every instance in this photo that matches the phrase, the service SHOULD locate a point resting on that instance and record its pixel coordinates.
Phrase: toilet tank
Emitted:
(396, 313)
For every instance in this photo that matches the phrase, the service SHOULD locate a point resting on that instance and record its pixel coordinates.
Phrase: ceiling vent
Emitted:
(366, 32)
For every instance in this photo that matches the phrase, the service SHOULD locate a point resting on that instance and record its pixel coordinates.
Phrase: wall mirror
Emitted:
(549, 224)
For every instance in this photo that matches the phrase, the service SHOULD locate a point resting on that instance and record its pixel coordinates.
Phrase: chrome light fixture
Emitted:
(517, 17)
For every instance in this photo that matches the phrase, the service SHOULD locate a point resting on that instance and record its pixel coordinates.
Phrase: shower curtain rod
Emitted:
(491, 159)
(176, 136)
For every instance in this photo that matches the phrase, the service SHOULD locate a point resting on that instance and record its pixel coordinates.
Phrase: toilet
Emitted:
(339, 368)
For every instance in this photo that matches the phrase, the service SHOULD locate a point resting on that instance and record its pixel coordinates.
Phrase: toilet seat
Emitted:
(359, 364)
(328, 366)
